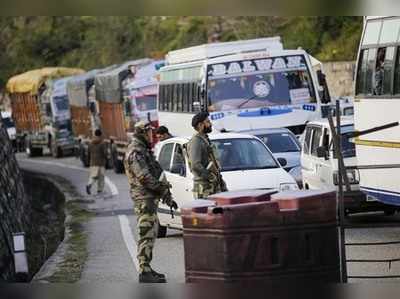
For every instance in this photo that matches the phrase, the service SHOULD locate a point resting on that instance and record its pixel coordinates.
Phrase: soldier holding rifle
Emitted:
(202, 160)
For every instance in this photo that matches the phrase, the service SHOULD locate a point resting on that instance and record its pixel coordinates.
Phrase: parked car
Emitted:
(320, 165)
(283, 144)
(246, 164)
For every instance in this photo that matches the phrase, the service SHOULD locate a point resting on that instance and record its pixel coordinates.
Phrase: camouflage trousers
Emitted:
(147, 224)
(205, 189)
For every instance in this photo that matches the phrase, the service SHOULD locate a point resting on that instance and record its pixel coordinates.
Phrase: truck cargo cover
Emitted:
(108, 84)
(78, 86)
(31, 81)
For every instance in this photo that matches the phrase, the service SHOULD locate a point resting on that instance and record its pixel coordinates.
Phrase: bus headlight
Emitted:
(288, 187)
(352, 175)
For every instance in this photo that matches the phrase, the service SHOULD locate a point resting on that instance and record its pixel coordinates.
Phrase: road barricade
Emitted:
(262, 237)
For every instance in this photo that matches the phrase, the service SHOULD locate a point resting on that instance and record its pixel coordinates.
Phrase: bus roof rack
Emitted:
(207, 51)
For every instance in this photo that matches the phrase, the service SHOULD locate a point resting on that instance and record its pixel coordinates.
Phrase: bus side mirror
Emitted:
(324, 91)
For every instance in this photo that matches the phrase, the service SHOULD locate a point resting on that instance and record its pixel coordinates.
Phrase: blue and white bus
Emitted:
(244, 85)
(377, 103)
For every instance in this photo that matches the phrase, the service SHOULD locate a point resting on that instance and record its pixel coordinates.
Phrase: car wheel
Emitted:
(162, 231)
(389, 212)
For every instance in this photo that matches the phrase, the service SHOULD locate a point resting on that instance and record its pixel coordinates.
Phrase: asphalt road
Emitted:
(112, 233)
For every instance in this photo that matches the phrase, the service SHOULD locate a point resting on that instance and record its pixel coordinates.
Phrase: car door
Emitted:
(181, 179)
(309, 159)
(316, 141)
(306, 159)
(164, 157)
(325, 172)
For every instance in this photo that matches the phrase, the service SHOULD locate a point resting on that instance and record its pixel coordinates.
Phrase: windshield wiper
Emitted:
(246, 101)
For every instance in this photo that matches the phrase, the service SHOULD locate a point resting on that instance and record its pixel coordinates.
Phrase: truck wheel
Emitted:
(84, 157)
(117, 164)
(56, 151)
(162, 231)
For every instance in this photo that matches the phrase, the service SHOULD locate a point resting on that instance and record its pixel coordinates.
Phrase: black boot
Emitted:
(150, 277)
(158, 274)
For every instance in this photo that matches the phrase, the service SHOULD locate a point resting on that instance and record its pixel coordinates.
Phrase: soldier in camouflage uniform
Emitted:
(207, 179)
(143, 173)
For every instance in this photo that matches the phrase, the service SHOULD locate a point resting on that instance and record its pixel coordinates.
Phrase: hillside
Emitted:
(90, 42)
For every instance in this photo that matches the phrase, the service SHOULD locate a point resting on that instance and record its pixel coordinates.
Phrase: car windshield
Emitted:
(251, 84)
(8, 122)
(145, 103)
(280, 142)
(243, 154)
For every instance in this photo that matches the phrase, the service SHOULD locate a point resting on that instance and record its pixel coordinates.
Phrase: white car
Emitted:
(246, 163)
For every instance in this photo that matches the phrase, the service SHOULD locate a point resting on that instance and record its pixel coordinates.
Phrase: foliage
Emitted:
(92, 42)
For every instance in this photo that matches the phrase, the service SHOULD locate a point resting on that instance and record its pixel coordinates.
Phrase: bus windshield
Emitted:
(251, 84)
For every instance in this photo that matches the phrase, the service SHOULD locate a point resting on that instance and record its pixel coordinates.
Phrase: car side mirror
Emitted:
(321, 152)
(282, 161)
(178, 169)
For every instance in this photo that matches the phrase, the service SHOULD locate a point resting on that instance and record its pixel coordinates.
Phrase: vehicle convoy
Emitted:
(246, 163)
(40, 110)
(120, 104)
(244, 85)
(10, 126)
(320, 165)
(377, 103)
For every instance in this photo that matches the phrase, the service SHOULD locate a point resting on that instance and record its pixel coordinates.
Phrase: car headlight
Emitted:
(288, 187)
(352, 175)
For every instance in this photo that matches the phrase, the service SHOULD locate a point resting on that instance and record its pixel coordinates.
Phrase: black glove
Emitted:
(170, 202)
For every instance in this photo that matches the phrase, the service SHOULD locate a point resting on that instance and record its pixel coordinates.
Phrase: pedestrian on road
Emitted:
(207, 179)
(163, 133)
(146, 189)
(98, 159)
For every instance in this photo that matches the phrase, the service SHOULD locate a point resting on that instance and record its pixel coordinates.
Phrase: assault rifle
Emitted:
(166, 197)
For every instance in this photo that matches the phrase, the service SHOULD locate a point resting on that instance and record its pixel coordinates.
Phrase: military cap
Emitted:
(143, 126)
(198, 118)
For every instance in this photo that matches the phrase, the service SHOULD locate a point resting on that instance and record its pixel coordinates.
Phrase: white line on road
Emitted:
(110, 184)
(128, 239)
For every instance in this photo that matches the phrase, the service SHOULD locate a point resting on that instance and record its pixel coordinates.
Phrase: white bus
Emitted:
(244, 85)
(377, 102)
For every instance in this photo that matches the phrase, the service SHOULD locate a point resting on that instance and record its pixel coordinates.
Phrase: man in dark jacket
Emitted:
(207, 178)
(98, 160)
(163, 133)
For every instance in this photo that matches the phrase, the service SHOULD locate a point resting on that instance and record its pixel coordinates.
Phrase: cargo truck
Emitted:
(40, 110)
(84, 116)
(116, 103)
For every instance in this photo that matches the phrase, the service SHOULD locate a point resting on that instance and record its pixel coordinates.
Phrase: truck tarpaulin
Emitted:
(78, 88)
(109, 84)
(31, 81)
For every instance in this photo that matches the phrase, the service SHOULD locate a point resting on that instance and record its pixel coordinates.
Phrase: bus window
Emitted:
(362, 72)
(369, 82)
(388, 71)
(371, 35)
(397, 74)
(390, 31)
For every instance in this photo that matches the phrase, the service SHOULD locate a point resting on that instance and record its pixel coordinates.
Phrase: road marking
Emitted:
(113, 188)
(128, 239)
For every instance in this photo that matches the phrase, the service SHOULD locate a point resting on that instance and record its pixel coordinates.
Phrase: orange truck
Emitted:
(40, 109)
(84, 119)
(116, 106)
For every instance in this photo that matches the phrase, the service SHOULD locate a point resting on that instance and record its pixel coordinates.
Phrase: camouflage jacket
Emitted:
(143, 171)
(199, 148)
